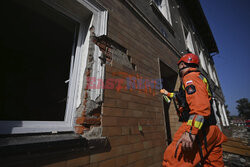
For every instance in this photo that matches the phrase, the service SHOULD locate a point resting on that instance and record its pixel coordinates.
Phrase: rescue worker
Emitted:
(198, 140)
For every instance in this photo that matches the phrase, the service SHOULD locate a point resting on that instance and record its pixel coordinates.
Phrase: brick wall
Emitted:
(132, 120)
(124, 111)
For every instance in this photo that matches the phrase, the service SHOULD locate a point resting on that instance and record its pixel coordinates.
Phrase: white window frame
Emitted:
(189, 43)
(188, 39)
(225, 115)
(215, 78)
(212, 74)
(221, 114)
(202, 61)
(165, 10)
(197, 51)
(210, 71)
(215, 113)
(99, 21)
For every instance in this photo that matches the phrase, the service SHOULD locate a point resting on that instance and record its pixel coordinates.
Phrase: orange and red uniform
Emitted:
(198, 99)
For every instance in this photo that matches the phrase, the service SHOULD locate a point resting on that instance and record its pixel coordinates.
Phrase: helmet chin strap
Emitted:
(182, 69)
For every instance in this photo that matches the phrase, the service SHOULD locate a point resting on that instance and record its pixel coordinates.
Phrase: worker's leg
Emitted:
(192, 158)
(215, 157)
(181, 158)
(176, 157)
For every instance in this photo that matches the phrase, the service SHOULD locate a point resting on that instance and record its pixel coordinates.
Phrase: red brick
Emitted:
(121, 161)
(108, 163)
(118, 140)
(138, 114)
(115, 151)
(156, 164)
(97, 114)
(109, 121)
(80, 120)
(135, 138)
(133, 121)
(112, 131)
(137, 156)
(122, 121)
(126, 130)
(92, 165)
(122, 104)
(56, 164)
(138, 146)
(147, 144)
(157, 158)
(78, 161)
(150, 160)
(92, 121)
(155, 150)
(79, 129)
(109, 111)
(137, 106)
(109, 102)
(112, 93)
(140, 163)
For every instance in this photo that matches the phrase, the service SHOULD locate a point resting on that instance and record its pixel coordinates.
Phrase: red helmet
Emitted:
(189, 58)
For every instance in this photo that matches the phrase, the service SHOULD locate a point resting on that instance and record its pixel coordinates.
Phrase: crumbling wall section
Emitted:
(88, 117)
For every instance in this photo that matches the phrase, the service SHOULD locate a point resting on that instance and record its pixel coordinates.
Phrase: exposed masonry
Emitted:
(113, 51)
(88, 117)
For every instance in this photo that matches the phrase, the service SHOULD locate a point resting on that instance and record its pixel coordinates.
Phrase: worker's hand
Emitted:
(187, 141)
(164, 91)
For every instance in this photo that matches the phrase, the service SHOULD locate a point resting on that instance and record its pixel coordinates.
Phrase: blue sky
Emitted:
(229, 21)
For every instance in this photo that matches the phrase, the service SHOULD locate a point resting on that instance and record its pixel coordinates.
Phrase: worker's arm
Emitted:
(199, 105)
(198, 102)
(169, 94)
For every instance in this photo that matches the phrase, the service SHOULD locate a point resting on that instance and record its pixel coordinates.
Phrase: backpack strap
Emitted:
(205, 81)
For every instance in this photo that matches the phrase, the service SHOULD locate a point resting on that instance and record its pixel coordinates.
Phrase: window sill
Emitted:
(162, 17)
(17, 149)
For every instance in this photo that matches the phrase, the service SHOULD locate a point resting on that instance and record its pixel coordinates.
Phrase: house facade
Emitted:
(81, 79)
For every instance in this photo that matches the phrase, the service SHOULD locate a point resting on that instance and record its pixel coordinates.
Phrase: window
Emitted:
(202, 61)
(189, 42)
(188, 39)
(163, 6)
(221, 114)
(210, 71)
(216, 112)
(196, 48)
(212, 74)
(225, 115)
(43, 50)
(215, 78)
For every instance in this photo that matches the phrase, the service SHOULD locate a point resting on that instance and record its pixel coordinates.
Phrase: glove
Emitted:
(164, 91)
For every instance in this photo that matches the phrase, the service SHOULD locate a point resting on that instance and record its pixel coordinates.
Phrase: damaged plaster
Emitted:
(89, 113)
(94, 132)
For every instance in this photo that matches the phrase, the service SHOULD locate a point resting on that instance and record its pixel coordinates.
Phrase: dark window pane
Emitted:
(158, 2)
(35, 45)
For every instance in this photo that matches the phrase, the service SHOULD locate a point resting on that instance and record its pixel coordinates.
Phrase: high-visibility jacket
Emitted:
(197, 96)
(198, 100)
